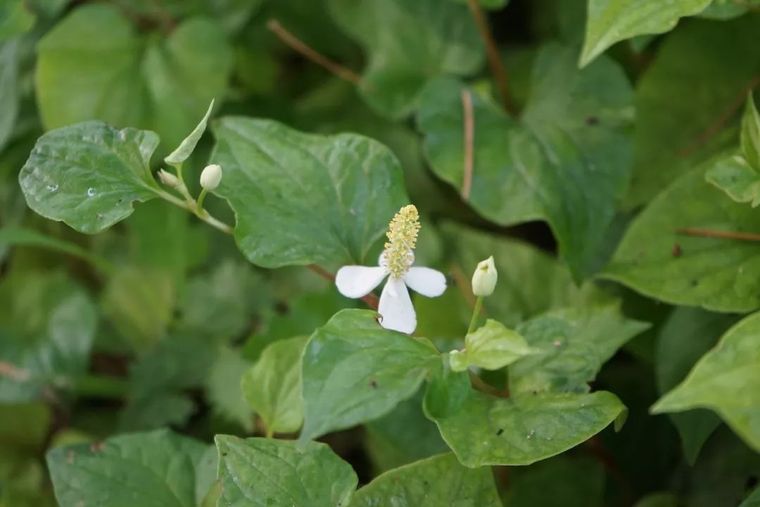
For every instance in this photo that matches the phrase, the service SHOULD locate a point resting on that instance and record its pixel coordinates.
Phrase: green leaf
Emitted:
(491, 346)
(736, 178)
(272, 386)
(569, 153)
(530, 281)
(716, 274)
(155, 469)
(304, 199)
(432, 482)
(158, 82)
(408, 42)
(140, 304)
(355, 371)
(610, 21)
(753, 500)
(223, 387)
(89, 175)
(483, 430)
(48, 327)
(750, 134)
(259, 471)
(677, 124)
(188, 144)
(687, 335)
(727, 381)
(570, 346)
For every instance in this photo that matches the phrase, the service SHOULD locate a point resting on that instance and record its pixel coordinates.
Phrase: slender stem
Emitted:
(713, 233)
(269, 433)
(191, 207)
(492, 53)
(201, 198)
(298, 45)
(469, 136)
(475, 314)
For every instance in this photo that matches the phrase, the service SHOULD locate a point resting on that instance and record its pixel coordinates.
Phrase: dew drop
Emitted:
(531, 434)
(52, 188)
(90, 192)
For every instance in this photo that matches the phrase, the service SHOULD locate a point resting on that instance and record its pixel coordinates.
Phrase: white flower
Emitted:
(395, 308)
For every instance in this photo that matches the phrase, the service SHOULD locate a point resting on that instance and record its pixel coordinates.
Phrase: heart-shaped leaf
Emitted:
(302, 198)
(355, 371)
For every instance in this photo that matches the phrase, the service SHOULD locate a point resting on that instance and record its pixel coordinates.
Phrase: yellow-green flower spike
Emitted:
(402, 238)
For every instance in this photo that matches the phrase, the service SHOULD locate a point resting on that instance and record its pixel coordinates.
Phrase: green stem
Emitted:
(100, 386)
(191, 206)
(201, 198)
(475, 314)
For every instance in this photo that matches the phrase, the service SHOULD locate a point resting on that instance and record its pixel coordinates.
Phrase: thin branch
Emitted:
(370, 299)
(469, 141)
(492, 52)
(712, 233)
(298, 45)
(481, 385)
(192, 207)
(722, 120)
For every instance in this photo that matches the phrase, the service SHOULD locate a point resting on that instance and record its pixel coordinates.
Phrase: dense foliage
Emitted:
(379, 253)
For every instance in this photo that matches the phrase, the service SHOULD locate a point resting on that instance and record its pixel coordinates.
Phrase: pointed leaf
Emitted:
(483, 430)
(272, 386)
(736, 178)
(304, 199)
(750, 135)
(491, 346)
(188, 144)
(259, 471)
(610, 21)
(355, 371)
(726, 380)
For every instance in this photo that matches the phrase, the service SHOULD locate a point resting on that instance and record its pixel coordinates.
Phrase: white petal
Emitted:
(396, 310)
(358, 281)
(426, 281)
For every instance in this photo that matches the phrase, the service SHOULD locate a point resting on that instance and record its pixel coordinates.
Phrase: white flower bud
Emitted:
(211, 176)
(168, 179)
(484, 278)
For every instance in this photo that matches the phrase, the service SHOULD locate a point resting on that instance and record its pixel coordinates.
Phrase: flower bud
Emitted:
(211, 176)
(168, 179)
(484, 278)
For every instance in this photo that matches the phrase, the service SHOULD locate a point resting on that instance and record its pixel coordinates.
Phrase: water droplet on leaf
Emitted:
(90, 192)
